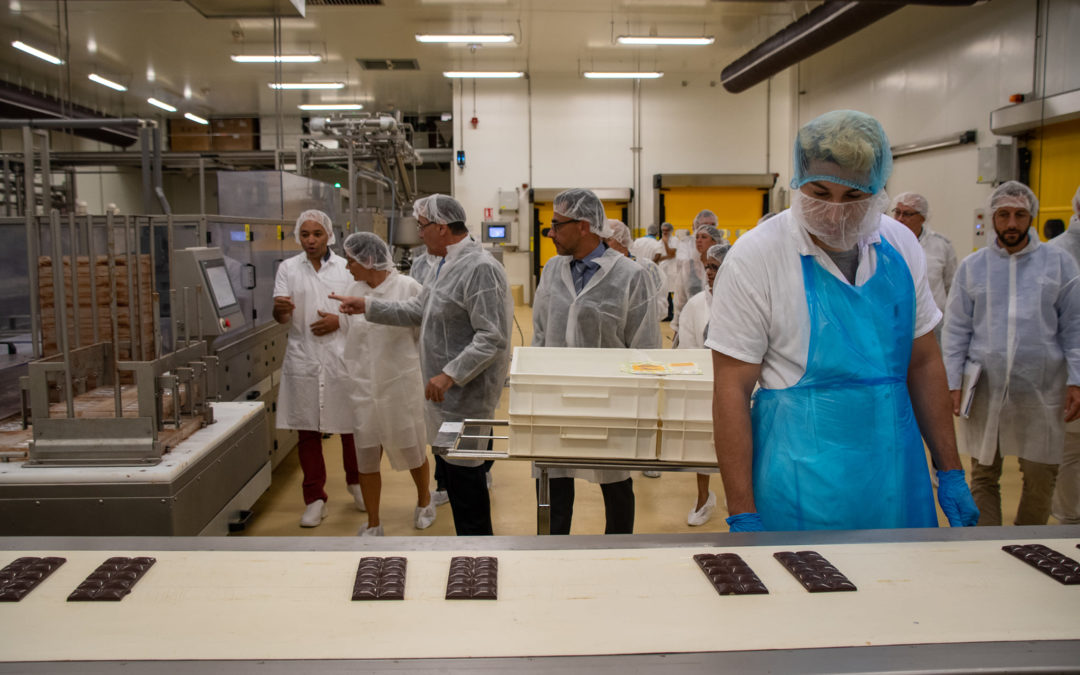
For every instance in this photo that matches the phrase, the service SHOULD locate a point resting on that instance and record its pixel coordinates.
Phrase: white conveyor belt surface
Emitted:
(295, 604)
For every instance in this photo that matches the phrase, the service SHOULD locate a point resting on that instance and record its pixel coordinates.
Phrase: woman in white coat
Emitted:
(314, 394)
(388, 388)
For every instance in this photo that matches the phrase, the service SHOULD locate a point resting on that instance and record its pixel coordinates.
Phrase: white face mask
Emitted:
(838, 225)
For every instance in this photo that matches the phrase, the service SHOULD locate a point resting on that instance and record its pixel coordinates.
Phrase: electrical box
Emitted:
(205, 277)
(508, 201)
(982, 228)
(997, 164)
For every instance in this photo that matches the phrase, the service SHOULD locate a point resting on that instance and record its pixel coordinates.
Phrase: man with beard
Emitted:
(1014, 309)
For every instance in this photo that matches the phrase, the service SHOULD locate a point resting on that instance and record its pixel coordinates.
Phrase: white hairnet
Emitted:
(717, 252)
(705, 214)
(581, 204)
(1016, 194)
(369, 251)
(653, 230)
(914, 201)
(618, 231)
(713, 232)
(439, 209)
(319, 217)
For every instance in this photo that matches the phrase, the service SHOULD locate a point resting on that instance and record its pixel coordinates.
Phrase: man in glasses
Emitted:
(912, 210)
(591, 296)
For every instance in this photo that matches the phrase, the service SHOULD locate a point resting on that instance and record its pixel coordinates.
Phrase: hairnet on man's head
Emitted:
(319, 217)
(581, 204)
(1016, 194)
(843, 146)
(618, 231)
(717, 252)
(714, 233)
(439, 209)
(653, 230)
(369, 251)
(914, 201)
(705, 217)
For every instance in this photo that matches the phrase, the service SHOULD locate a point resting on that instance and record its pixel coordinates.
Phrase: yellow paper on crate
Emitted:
(656, 368)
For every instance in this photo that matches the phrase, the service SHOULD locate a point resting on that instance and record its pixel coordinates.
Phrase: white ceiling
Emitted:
(167, 49)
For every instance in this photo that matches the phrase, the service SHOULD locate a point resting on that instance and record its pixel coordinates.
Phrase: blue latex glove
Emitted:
(746, 522)
(955, 499)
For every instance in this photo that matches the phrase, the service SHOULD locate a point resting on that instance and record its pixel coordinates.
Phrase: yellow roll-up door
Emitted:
(544, 211)
(737, 209)
(1055, 170)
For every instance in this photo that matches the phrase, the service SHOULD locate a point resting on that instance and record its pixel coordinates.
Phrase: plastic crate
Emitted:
(589, 438)
(687, 397)
(566, 382)
(689, 441)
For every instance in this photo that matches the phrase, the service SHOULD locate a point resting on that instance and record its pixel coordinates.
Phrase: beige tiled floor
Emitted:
(662, 503)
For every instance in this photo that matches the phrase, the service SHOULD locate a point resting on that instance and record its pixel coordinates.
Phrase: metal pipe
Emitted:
(173, 336)
(159, 188)
(130, 291)
(144, 147)
(7, 188)
(74, 279)
(155, 298)
(350, 226)
(187, 316)
(198, 313)
(32, 241)
(46, 174)
(11, 123)
(60, 308)
(202, 185)
(140, 332)
(91, 253)
(114, 312)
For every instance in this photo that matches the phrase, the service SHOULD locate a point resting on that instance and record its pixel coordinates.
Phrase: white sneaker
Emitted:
(366, 531)
(424, 516)
(487, 478)
(357, 496)
(651, 474)
(439, 497)
(702, 515)
(313, 514)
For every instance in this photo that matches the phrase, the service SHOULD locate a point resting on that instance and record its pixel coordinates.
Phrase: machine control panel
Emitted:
(203, 279)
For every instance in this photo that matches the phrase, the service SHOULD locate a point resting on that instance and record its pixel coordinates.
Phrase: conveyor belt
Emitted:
(935, 599)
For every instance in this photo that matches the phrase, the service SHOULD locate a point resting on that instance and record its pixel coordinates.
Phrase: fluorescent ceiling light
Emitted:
(331, 106)
(161, 104)
(307, 85)
(505, 74)
(270, 58)
(653, 40)
(593, 75)
(195, 118)
(94, 77)
(474, 39)
(44, 56)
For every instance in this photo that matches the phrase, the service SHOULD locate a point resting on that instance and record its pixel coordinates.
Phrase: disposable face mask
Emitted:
(838, 225)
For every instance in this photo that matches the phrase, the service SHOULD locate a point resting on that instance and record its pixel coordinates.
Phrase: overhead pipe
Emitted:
(822, 27)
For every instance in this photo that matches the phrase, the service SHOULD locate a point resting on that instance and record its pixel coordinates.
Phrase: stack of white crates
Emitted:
(580, 404)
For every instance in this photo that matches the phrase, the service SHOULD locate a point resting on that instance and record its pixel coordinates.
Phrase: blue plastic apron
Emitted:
(841, 449)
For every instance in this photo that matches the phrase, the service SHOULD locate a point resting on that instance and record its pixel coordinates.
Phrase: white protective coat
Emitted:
(384, 364)
(1019, 317)
(464, 313)
(656, 285)
(616, 309)
(646, 248)
(695, 321)
(315, 387)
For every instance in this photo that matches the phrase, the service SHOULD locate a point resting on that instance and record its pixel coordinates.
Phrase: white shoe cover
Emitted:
(424, 516)
(702, 515)
(651, 474)
(357, 496)
(439, 497)
(313, 514)
(366, 531)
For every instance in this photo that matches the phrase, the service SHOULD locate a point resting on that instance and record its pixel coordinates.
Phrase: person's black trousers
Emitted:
(618, 505)
(467, 488)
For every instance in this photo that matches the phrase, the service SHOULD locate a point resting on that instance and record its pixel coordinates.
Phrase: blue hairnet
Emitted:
(581, 204)
(439, 209)
(843, 146)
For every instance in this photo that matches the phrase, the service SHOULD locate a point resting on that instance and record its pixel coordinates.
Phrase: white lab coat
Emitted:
(695, 321)
(689, 277)
(388, 387)
(1019, 317)
(940, 267)
(464, 313)
(646, 248)
(315, 388)
(655, 279)
(616, 309)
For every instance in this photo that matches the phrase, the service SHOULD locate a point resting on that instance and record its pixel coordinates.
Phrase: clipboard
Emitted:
(972, 371)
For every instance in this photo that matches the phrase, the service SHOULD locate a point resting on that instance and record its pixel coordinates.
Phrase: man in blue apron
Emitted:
(827, 308)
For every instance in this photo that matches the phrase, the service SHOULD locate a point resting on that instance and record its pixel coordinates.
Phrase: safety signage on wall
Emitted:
(487, 213)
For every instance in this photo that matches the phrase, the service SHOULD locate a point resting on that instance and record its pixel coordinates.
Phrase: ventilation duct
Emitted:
(822, 27)
(19, 103)
(249, 9)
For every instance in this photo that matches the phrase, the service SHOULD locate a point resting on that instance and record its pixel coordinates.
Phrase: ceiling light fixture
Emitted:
(594, 75)
(307, 85)
(161, 104)
(474, 39)
(44, 56)
(94, 77)
(270, 58)
(331, 106)
(653, 40)
(195, 118)
(489, 74)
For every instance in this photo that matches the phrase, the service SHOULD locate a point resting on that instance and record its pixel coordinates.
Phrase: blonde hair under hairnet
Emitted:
(847, 147)
(315, 215)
